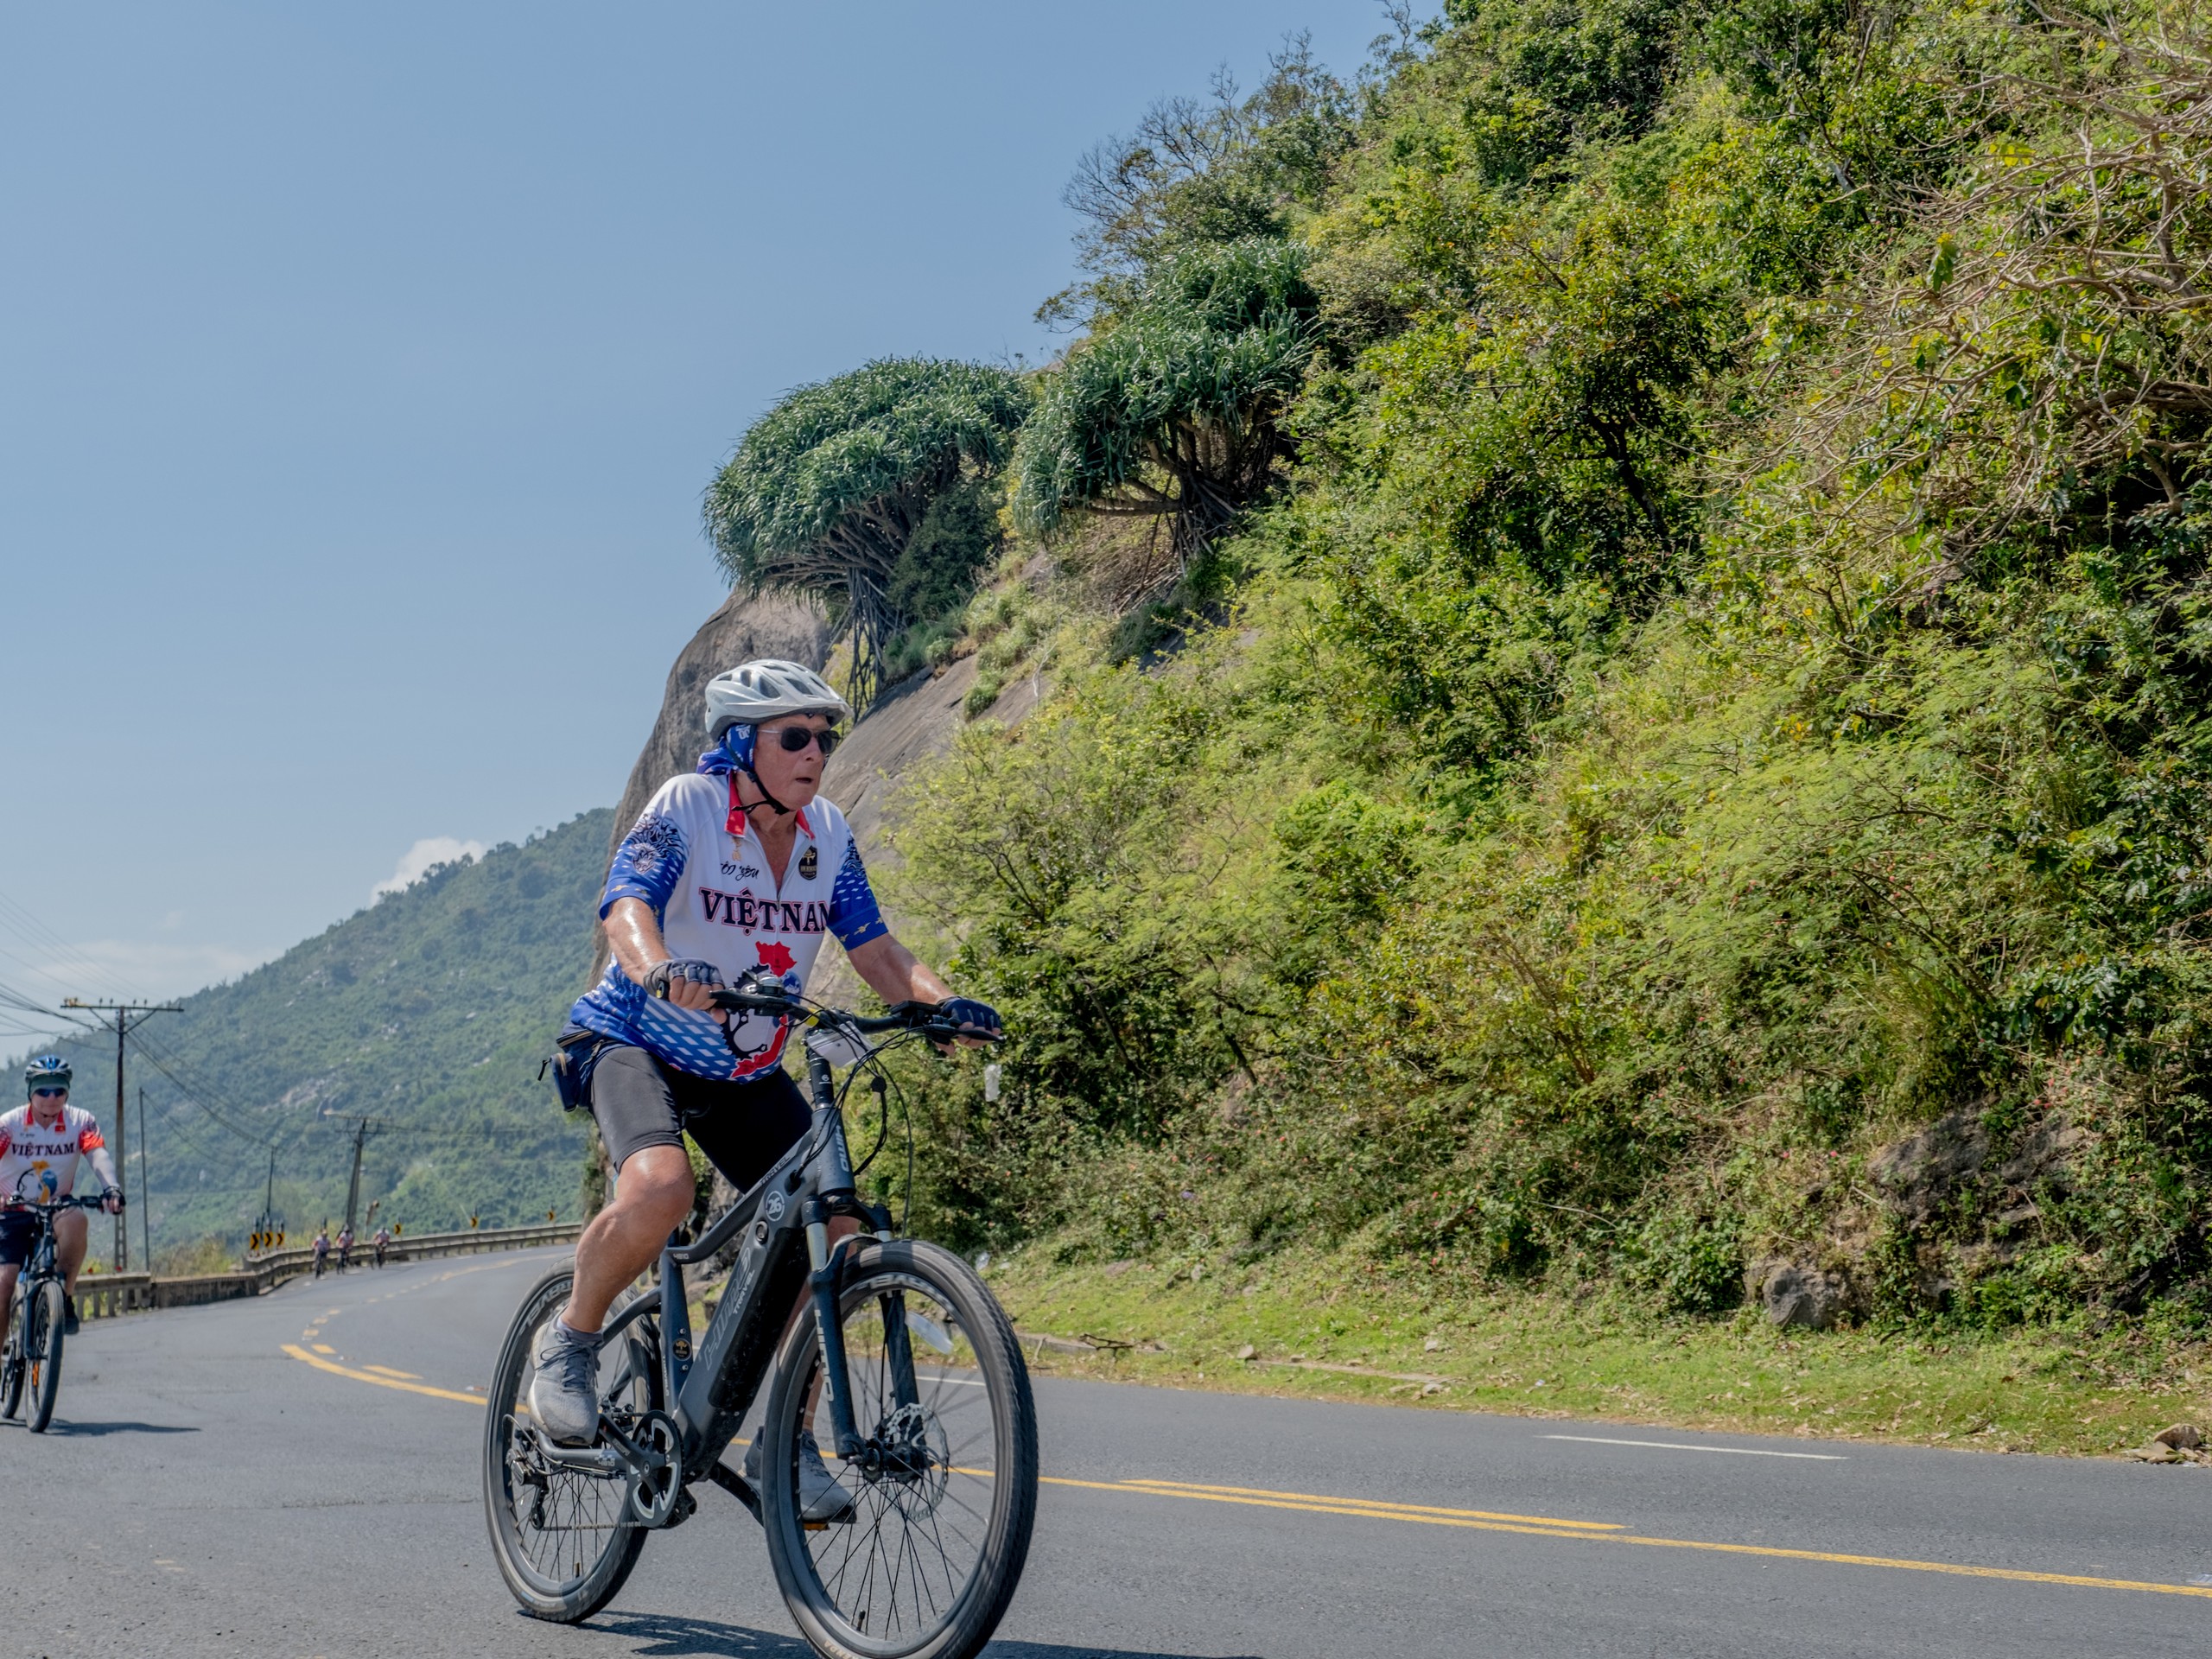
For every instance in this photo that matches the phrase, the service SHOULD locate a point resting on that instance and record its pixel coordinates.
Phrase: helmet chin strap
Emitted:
(766, 799)
(743, 759)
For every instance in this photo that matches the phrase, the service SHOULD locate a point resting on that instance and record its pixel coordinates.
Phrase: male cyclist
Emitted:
(737, 869)
(40, 1144)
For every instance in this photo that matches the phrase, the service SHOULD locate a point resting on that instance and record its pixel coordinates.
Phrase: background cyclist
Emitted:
(39, 1144)
(739, 868)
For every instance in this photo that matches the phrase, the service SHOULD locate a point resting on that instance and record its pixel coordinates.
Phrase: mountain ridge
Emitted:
(426, 1012)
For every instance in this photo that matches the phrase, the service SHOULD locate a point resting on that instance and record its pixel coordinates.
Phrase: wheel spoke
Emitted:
(912, 1553)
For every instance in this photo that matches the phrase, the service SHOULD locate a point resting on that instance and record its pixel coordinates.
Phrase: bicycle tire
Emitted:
(11, 1370)
(834, 1607)
(42, 1355)
(571, 1598)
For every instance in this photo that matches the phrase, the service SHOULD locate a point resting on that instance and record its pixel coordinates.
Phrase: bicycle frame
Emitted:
(709, 1391)
(42, 1263)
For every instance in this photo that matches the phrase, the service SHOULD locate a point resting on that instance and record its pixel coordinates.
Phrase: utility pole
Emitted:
(267, 1225)
(123, 1023)
(361, 1133)
(145, 1179)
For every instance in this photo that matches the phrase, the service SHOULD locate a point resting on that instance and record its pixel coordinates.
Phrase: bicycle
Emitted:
(937, 1453)
(32, 1359)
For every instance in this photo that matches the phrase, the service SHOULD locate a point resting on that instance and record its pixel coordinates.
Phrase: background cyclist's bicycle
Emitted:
(30, 1367)
(894, 1470)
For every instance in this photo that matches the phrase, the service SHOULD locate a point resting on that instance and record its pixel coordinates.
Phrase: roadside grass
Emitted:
(2067, 1391)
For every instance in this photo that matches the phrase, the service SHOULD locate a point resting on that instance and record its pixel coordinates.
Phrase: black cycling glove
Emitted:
(661, 974)
(115, 1192)
(967, 1011)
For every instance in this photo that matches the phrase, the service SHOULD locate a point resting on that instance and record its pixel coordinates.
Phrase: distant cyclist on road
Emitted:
(737, 869)
(39, 1144)
(344, 1246)
(382, 1241)
(321, 1249)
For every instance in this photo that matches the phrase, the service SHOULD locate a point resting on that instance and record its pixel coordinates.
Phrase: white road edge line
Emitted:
(1733, 1451)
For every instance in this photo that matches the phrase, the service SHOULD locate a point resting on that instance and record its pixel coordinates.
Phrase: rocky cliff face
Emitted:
(742, 629)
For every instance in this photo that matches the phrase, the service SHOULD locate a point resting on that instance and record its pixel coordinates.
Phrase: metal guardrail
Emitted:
(105, 1295)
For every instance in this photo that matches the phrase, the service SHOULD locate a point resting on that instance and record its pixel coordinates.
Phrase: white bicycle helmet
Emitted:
(752, 692)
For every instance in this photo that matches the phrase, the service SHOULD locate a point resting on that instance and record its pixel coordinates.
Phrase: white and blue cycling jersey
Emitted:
(693, 856)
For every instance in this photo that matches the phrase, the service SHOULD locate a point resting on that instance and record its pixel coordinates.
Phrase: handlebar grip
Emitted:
(944, 1031)
(752, 1001)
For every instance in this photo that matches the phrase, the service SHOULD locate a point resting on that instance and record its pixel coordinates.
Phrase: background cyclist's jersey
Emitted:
(696, 860)
(39, 1160)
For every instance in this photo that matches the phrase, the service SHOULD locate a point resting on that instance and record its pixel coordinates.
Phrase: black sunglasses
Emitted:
(42, 1093)
(791, 740)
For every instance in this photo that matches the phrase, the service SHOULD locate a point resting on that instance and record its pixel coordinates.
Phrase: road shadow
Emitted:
(93, 1431)
(697, 1638)
(705, 1638)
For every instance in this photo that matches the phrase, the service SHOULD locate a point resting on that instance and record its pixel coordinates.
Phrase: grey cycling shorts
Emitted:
(743, 1127)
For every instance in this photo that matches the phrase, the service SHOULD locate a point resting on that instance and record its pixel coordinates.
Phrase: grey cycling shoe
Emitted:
(822, 1499)
(564, 1394)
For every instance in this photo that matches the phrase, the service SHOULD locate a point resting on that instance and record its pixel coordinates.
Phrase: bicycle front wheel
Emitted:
(561, 1537)
(42, 1352)
(922, 1560)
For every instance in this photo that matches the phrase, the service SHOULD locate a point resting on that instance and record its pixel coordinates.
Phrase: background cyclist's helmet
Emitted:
(47, 1071)
(738, 701)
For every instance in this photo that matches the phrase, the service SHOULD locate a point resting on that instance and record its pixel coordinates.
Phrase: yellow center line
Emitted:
(324, 1348)
(2017, 1576)
(1322, 1508)
(1403, 1511)
(1582, 1529)
(336, 1369)
(386, 1371)
(1601, 1532)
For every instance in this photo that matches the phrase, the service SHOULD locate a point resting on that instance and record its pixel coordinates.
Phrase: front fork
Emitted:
(826, 1267)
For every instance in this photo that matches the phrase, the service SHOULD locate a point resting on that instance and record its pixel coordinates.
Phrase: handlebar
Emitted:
(904, 1016)
(55, 1205)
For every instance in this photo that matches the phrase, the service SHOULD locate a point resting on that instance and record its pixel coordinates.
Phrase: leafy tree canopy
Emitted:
(827, 491)
(1195, 172)
(1176, 409)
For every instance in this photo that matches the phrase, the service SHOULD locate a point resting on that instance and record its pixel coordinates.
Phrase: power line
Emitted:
(186, 1091)
(121, 1014)
(26, 927)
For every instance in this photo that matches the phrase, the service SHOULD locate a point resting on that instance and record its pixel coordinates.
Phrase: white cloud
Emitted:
(431, 850)
(103, 969)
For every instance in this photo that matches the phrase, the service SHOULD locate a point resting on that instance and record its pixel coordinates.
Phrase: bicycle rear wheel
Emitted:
(560, 1536)
(940, 1516)
(43, 1353)
(11, 1374)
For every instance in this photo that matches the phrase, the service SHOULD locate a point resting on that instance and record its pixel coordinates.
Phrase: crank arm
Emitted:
(604, 1460)
(635, 1458)
(587, 1459)
(736, 1484)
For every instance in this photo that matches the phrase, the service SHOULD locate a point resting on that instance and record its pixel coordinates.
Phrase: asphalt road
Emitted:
(239, 1480)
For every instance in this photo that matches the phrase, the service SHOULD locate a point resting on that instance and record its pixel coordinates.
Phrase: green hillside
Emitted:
(1624, 599)
(427, 1012)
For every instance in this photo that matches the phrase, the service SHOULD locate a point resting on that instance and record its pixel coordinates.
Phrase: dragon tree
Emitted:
(827, 492)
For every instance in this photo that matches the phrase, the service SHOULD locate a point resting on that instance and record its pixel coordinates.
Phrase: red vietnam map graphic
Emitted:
(776, 957)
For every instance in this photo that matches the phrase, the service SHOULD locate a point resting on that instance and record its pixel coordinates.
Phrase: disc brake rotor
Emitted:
(918, 1460)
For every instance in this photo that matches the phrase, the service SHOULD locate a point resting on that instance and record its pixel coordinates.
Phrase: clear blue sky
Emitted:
(363, 365)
